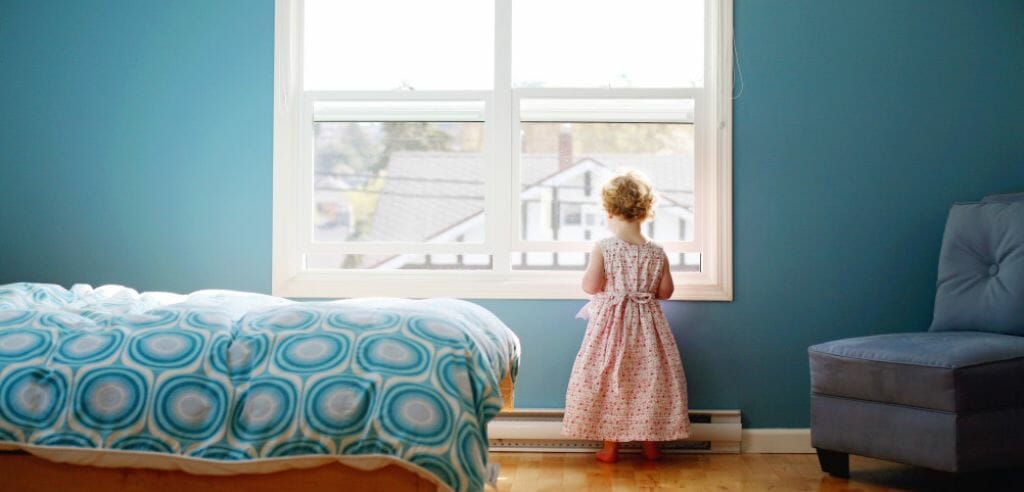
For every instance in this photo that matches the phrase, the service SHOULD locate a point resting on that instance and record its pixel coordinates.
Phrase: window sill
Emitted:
(472, 285)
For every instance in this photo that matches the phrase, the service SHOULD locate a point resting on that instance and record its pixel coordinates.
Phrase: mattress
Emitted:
(222, 382)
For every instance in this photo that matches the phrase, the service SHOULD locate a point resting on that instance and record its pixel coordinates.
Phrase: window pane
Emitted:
(546, 260)
(684, 262)
(587, 43)
(564, 165)
(399, 44)
(398, 262)
(399, 181)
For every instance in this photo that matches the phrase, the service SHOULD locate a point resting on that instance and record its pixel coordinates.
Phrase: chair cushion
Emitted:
(981, 269)
(948, 371)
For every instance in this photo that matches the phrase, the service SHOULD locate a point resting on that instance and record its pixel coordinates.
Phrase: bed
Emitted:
(226, 383)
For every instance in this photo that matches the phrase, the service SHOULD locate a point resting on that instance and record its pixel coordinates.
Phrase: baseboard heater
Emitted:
(540, 430)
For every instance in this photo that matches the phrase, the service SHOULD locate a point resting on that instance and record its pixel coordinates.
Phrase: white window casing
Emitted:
(501, 111)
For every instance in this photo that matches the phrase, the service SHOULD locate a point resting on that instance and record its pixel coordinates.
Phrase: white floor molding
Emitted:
(776, 441)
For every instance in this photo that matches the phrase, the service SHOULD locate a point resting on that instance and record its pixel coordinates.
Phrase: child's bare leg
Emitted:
(650, 450)
(610, 452)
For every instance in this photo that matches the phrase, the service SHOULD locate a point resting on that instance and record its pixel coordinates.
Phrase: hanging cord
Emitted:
(739, 69)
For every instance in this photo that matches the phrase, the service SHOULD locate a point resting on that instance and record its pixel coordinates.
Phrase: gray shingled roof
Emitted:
(427, 192)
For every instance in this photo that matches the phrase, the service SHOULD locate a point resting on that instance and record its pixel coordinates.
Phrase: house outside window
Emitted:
(473, 169)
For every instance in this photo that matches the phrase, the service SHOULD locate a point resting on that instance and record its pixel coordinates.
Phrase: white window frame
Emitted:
(293, 167)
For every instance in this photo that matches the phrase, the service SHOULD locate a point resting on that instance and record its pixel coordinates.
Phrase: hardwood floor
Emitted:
(522, 472)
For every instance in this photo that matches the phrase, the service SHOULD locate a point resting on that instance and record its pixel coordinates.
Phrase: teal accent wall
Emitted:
(136, 142)
(136, 148)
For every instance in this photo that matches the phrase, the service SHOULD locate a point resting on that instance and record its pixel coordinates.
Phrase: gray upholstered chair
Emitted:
(951, 398)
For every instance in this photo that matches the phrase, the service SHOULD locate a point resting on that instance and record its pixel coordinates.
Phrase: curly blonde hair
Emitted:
(630, 196)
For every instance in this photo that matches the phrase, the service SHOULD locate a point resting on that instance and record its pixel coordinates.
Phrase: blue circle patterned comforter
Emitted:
(235, 377)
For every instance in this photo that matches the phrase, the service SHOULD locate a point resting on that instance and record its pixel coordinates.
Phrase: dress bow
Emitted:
(619, 297)
(613, 298)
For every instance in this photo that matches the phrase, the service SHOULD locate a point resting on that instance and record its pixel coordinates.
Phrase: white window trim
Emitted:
(713, 181)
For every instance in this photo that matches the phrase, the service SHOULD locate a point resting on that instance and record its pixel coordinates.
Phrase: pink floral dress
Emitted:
(627, 383)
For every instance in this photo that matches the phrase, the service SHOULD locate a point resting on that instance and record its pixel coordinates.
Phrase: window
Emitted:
(458, 147)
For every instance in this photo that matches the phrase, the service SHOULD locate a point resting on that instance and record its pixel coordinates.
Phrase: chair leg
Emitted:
(834, 463)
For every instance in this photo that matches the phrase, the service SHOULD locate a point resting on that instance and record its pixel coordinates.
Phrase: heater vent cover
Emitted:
(536, 430)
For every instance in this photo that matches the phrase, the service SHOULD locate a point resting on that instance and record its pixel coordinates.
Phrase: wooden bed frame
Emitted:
(26, 473)
(22, 472)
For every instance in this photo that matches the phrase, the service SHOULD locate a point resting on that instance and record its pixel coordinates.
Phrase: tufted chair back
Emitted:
(981, 267)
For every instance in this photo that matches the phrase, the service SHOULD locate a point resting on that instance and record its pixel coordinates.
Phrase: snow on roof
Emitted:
(331, 183)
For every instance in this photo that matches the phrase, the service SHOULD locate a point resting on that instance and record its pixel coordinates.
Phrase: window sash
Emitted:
(411, 106)
(605, 105)
(635, 115)
(342, 107)
(294, 168)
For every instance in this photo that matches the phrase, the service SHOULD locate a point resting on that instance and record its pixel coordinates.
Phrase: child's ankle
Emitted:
(609, 453)
(650, 449)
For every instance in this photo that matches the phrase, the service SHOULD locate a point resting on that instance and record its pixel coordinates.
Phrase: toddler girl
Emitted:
(627, 383)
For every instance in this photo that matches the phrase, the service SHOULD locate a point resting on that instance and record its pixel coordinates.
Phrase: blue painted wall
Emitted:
(136, 141)
(135, 148)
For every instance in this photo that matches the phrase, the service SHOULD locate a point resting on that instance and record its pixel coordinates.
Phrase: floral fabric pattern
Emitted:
(627, 382)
